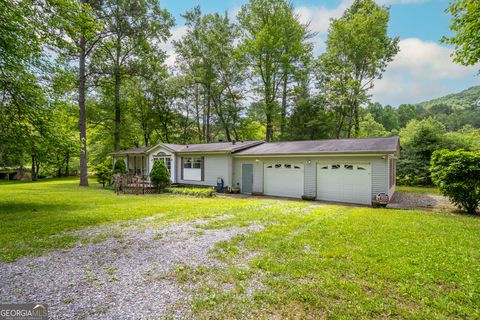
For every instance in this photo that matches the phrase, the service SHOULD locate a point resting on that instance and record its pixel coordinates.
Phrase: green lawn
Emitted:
(312, 261)
(420, 190)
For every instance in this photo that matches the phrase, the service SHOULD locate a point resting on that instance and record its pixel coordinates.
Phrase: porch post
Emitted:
(143, 165)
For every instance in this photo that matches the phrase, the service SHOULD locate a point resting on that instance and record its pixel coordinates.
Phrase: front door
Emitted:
(247, 178)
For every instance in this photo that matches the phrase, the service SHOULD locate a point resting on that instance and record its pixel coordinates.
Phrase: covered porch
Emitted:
(136, 160)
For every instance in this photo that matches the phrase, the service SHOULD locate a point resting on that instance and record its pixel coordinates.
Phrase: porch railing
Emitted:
(133, 184)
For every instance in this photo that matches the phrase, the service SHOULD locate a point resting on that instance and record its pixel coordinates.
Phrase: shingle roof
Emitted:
(193, 148)
(217, 146)
(364, 145)
(137, 151)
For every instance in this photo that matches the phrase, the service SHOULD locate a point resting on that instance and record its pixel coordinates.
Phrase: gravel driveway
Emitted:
(130, 275)
(409, 200)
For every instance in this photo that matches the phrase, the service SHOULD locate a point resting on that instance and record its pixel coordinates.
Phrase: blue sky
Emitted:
(422, 70)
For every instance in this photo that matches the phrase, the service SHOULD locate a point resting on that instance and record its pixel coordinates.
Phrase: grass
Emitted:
(309, 261)
(418, 190)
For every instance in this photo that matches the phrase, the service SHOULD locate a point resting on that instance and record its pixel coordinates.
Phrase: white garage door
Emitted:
(344, 182)
(283, 178)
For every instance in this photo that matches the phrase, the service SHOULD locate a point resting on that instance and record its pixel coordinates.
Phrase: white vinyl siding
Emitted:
(310, 188)
(379, 170)
(214, 166)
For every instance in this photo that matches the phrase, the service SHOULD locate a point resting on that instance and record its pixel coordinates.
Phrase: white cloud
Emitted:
(422, 70)
(319, 17)
(177, 33)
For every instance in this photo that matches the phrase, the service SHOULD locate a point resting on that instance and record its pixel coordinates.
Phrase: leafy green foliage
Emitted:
(358, 51)
(370, 128)
(120, 166)
(466, 25)
(457, 174)
(196, 192)
(103, 172)
(273, 43)
(159, 176)
(419, 139)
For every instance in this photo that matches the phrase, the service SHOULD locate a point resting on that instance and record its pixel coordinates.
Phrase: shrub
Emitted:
(103, 172)
(197, 192)
(159, 175)
(309, 198)
(120, 166)
(457, 174)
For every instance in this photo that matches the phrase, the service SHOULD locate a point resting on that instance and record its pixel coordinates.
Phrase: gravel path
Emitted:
(409, 200)
(128, 276)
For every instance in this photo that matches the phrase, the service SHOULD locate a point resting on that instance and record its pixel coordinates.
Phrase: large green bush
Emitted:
(103, 172)
(120, 166)
(457, 174)
(159, 175)
(419, 139)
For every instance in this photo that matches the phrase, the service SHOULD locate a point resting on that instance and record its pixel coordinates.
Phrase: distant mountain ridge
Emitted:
(458, 101)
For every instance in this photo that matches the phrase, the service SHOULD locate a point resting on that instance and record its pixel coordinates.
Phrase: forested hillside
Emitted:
(449, 122)
(458, 101)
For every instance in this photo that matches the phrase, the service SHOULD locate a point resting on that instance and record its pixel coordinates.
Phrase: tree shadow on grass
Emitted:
(18, 207)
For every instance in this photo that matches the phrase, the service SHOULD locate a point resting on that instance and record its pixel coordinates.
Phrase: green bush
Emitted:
(159, 175)
(309, 198)
(120, 166)
(197, 192)
(103, 172)
(457, 174)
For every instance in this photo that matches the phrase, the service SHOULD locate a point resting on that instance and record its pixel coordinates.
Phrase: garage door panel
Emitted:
(344, 182)
(284, 179)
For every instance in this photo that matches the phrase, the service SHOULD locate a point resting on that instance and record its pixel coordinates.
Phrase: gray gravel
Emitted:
(409, 200)
(130, 275)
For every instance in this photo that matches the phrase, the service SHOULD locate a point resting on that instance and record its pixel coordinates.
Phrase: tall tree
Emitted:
(207, 55)
(77, 33)
(273, 39)
(135, 30)
(358, 51)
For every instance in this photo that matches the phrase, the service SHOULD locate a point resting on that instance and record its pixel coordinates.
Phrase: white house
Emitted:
(343, 170)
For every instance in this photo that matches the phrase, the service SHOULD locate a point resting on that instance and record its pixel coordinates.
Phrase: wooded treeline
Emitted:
(80, 79)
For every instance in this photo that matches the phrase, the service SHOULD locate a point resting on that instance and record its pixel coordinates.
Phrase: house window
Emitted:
(197, 163)
(192, 169)
(192, 163)
(165, 158)
(187, 163)
(167, 161)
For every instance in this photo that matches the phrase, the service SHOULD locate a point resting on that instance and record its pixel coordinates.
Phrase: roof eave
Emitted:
(379, 152)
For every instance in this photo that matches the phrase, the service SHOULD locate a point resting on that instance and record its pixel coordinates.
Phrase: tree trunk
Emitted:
(82, 115)
(118, 120)
(283, 120)
(34, 175)
(67, 163)
(269, 126)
